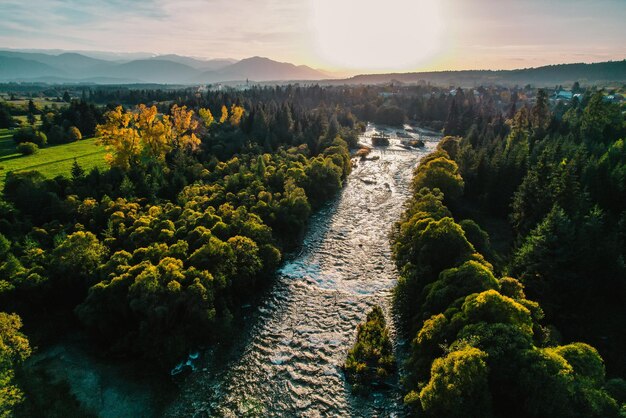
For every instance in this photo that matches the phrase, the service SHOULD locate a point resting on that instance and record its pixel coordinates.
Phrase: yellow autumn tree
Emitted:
(183, 127)
(236, 112)
(206, 116)
(155, 133)
(145, 135)
(224, 116)
(121, 138)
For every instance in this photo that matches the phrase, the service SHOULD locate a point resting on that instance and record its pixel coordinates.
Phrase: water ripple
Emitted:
(291, 362)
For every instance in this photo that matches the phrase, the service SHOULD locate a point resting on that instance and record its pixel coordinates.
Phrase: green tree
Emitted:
(371, 358)
(540, 114)
(601, 122)
(80, 253)
(29, 134)
(247, 262)
(77, 171)
(14, 349)
(477, 237)
(441, 245)
(492, 307)
(458, 386)
(440, 173)
(27, 148)
(470, 277)
(32, 109)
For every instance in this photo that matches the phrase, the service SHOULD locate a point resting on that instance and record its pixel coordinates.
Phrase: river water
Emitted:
(289, 363)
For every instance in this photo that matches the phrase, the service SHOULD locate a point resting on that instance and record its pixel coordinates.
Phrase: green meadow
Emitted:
(50, 161)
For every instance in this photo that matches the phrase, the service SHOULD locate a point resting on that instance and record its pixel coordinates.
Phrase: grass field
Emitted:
(40, 102)
(50, 161)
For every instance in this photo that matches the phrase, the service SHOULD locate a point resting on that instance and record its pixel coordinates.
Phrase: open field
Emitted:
(40, 102)
(50, 161)
(24, 120)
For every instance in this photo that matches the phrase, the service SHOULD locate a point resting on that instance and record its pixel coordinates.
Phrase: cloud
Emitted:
(198, 27)
(481, 32)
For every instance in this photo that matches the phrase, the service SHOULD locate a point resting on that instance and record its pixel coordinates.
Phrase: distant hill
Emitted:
(164, 69)
(199, 64)
(72, 67)
(68, 62)
(102, 55)
(612, 71)
(15, 68)
(151, 71)
(263, 69)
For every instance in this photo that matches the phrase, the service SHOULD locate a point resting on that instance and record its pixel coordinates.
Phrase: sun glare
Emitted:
(371, 35)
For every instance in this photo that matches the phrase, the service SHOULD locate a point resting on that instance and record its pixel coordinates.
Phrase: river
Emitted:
(289, 361)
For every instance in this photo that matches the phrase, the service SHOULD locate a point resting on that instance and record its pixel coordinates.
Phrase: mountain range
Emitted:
(546, 76)
(109, 68)
(73, 67)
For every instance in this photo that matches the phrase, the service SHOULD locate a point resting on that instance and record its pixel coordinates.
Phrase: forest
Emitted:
(537, 330)
(510, 253)
(154, 256)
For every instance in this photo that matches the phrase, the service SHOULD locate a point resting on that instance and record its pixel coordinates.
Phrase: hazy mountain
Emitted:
(261, 69)
(102, 55)
(175, 69)
(69, 62)
(73, 62)
(16, 68)
(151, 71)
(199, 64)
(550, 75)
(167, 69)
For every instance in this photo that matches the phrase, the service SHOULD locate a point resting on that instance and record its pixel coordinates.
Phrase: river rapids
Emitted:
(289, 363)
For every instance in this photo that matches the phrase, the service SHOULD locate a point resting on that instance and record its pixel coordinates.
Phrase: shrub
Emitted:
(74, 134)
(28, 134)
(371, 359)
(27, 148)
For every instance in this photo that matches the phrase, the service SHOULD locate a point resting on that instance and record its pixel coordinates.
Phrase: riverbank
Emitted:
(289, 363)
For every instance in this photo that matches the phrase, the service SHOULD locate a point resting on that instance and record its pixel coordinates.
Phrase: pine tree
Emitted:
(77, 171)
(127, 188)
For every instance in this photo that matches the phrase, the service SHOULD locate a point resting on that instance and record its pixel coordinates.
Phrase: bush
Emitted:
(370, 361)
(28, 134)
(74, 134)
(27, 148)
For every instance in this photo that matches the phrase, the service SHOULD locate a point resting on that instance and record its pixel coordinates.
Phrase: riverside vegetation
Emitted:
(371, 359)
(481, 347)
(154, 255)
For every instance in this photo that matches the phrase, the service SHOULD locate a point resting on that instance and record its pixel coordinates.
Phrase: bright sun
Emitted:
(377, 35)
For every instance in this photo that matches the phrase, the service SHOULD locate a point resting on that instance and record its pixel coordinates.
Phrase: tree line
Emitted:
(480, 346)
(555, 174)
(154, 257)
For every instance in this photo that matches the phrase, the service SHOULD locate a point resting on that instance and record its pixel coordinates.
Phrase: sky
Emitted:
(347, 36)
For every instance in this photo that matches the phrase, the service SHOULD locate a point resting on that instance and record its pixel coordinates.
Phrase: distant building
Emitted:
(563, 95)
(614, 98)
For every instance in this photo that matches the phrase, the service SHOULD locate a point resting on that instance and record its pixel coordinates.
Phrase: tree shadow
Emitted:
(10, 157)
